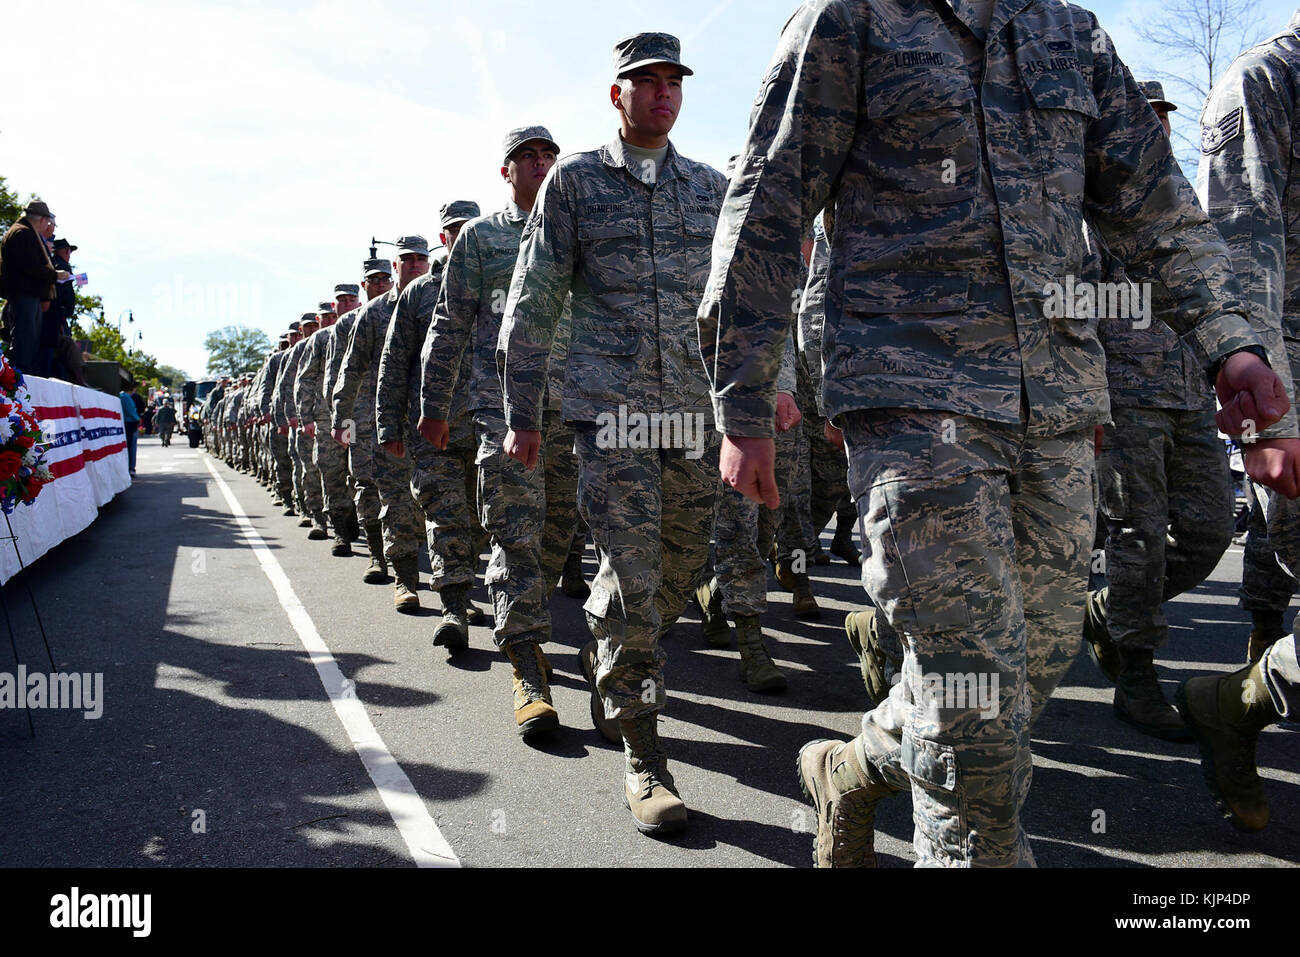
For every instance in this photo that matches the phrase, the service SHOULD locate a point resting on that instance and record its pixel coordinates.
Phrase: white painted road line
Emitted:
(414, 823)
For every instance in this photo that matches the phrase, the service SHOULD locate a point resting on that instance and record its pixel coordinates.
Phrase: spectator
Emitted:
(27, 278)
(58, 348)
(166, 421)
(146, 417)
(131, 420)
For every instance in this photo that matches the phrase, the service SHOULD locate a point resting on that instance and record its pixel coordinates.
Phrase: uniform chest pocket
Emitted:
(922, 139)
(1064, 108)
(698, 230)
(611, 256)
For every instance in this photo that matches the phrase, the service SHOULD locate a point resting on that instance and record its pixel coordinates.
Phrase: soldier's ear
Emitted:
(616, 96)
(505, 173)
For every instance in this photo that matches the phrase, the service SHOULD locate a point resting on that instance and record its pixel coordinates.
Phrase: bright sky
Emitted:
(227, 163)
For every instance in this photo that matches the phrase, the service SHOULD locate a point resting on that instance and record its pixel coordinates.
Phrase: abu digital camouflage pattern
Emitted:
(953, 213)
(635, 258)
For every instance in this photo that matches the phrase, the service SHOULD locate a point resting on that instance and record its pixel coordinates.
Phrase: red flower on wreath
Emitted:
(8, 378)
(10, 463)
(26, 441)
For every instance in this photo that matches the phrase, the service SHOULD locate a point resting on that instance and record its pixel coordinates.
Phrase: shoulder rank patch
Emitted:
(1060, 46)
(1223, 130)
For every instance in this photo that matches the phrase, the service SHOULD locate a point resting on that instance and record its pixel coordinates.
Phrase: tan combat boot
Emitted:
(377, 570)
(571, 581)
(863, 630)
(649, 791)
(844, 795)
(1227, 714)
(534, 713)
(799, 585)
(1267, 629)
(757, 669)
(1140, 702)
(708, 599)
(406, 588)
(842, 546)
(342, 543)
(452, 632)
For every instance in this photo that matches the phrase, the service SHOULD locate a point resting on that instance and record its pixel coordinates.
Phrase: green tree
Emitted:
(172, 377)
(234, 350)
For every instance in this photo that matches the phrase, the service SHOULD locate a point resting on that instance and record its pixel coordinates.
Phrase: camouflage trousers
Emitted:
(331, 461)
(1265, 585)
(361, 466)
(312, 492)
(1163, 475)
(1282, 527)
(401, 522)
(743, 533)
(976, 544)
(283, 465)
(648, 512)
(445, 483)
(530, 537)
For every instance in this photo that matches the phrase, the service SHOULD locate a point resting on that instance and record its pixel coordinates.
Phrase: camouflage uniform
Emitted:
(284, 409)
(1249, 135)
(361, 451)
(1163, 471)
(281, 464)
(634, 256)
(328, 457)
(967, 411)
(514, 505)
(354, 398)
(442, 482)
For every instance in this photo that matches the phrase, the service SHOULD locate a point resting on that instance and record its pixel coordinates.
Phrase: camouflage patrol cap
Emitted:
(412, 244)
(458, 211)
(373, 267)
(347, 289)
(306, 317)
(1155, 94)
(518, 137)
(325, 309)
(644, 49)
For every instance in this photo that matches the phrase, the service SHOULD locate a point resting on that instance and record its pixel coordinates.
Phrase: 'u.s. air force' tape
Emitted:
(1223, 130)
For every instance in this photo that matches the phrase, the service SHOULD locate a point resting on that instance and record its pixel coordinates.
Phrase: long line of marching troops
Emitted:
(921, 189)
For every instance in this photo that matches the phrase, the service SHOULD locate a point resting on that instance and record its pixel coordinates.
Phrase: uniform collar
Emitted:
(1004, 11)
(613, 154)
(513, 213)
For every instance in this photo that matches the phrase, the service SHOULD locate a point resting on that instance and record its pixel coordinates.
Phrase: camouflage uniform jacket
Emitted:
(307, 394)
(468, 314)
(397, 394)
(635, 257)
(354, 390)
(282, 405)
(1250, 142)
(1147, 365)
(941, 261)
(335, 348)
(268, 383)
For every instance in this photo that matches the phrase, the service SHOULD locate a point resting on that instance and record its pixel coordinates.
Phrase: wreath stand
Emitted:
(4, 609)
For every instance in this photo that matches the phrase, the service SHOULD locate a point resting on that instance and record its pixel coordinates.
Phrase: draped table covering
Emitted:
(88, 460)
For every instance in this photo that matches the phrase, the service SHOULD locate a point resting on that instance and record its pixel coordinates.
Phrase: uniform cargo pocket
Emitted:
(901, 324)
(1064, 107)
(922, 140)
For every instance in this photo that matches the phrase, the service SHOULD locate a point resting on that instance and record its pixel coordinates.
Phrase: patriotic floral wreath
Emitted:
(23, 471)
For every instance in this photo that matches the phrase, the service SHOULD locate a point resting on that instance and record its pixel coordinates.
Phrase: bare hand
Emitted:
(1098, 434)
(310, 429)
(1251, 395)
(523, 446)
(340, 436)
(282, 429)
(749, 466)
(435, 431)
(787, 412)
(1275, 463)
(396, 449)
(833, 435)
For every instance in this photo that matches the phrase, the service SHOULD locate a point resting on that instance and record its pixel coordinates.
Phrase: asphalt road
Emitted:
(218, 745)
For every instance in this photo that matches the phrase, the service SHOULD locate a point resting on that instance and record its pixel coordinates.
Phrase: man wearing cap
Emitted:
(442, 482)
(354, 397)
(329, 457)
(1166, 501)
(531, 522)
(627, 229)
(357, 434)
(61, 356)
(281, 464)
(1249, 130)
(967, 400)
(300, 443)
(27, 278)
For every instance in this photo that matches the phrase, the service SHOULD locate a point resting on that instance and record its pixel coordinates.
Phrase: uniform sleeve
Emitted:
(812, 313)
(543, 276)
(395, 362)
(454, 316)
(1242, 179)
(351, 370)
(304, 395)
(800, 135)
(1147, 215)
